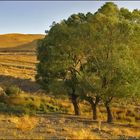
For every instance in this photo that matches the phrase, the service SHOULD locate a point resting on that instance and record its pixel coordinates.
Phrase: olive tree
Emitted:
(60, 55)
(111, 57)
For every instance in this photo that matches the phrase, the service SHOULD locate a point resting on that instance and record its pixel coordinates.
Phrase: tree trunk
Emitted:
(93, 106)
(109, 114)
(94, 111)
(75, 104)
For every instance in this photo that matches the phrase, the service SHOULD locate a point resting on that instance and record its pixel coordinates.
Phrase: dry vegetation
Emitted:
(19, 69)
(57, 120)
(17, 41)
(54, 126)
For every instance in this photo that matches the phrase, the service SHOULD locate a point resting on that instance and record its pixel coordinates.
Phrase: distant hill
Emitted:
(19, 41)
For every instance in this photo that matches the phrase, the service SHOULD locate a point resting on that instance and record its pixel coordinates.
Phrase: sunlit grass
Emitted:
(24, 123)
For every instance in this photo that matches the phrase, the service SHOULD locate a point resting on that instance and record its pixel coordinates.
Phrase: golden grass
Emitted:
(18, 59)
(17, 72)
(24, 123)
(17, 63)
(13, 40)
(131, 132)
(118, 130)
(51, 130)
(84, 134)
(52, 126)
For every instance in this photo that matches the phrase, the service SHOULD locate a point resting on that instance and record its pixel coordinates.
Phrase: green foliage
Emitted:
(93, 55)
(20, 105)
(109, 9)
(13, 90)
(125, 13)
(12, 109)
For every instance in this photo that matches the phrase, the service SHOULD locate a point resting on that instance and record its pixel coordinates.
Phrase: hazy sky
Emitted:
(36, 17)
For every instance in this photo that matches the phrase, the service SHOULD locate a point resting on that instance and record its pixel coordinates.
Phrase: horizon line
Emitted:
(22, 33)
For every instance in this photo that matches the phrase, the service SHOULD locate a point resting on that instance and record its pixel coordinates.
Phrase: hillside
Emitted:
(19, 41)
(18, 60)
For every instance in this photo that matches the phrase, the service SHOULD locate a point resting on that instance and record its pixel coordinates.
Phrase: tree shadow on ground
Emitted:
(26, 85)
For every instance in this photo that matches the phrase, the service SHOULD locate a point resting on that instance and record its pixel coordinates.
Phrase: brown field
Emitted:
(19, 41)
(19, 68)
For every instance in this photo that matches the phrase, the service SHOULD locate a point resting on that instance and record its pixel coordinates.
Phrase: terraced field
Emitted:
(18, 60)
(18, 70)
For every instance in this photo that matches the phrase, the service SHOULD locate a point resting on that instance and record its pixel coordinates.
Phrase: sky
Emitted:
(34, 17)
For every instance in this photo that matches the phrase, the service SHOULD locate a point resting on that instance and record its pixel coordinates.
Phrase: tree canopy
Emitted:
(92, 55)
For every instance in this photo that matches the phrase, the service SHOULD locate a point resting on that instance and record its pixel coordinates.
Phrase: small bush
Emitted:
(4, 108)
(13, 90)
(43, 108)
(51, 107)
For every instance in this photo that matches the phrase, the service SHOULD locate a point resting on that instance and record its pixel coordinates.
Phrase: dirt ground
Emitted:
(62, 126)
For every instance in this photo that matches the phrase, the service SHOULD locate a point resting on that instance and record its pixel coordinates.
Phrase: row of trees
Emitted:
(94, 57)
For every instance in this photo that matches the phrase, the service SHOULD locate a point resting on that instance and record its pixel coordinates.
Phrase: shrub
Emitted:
(52, 107)
(43, 108)
(13, 90)
(4, 108)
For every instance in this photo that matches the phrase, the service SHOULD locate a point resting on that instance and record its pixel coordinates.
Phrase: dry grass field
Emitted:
(60, 126)
(19, 41)
(19, 68)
